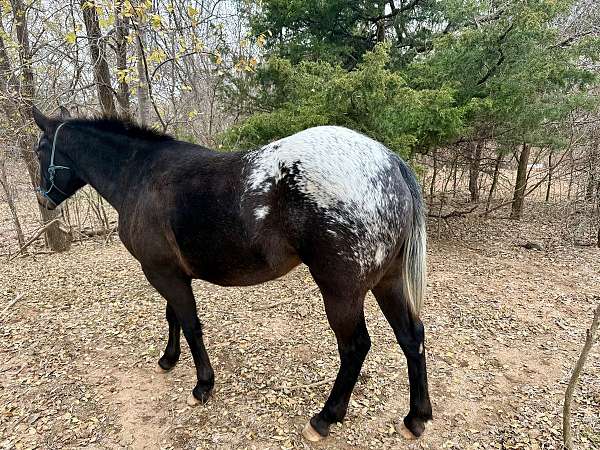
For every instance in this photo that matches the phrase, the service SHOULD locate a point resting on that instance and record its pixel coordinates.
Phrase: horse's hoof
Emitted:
(406, 433)
(310, 434)
(192, 401)
(160, 370)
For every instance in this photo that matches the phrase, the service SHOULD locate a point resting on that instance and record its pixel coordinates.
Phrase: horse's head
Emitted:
(58, 181)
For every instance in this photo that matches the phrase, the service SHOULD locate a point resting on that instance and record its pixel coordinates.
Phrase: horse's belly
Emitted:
(235, 274)
(232, 262)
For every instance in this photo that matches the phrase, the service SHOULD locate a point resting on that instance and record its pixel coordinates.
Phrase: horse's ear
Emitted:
(42, 121)
(64, 113)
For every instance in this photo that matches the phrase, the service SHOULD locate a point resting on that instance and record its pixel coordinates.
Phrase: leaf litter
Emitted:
(504, 327)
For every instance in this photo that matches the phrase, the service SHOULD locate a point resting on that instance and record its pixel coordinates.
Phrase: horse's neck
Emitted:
(106, 166)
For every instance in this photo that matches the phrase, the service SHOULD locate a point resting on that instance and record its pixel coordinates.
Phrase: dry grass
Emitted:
(504, 325)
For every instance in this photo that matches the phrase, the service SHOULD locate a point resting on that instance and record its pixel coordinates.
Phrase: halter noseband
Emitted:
(52, 168)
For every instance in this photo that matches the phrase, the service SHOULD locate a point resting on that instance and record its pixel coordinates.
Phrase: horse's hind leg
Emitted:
(173, 349)
(346, 317)
(410, 334)
(177, 290)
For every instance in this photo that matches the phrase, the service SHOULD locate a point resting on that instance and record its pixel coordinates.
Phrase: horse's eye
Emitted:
(43, 141)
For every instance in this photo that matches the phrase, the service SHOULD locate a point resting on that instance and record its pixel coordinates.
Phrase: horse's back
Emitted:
(334, 193)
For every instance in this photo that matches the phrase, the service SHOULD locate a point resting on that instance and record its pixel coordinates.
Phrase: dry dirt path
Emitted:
(504, 327)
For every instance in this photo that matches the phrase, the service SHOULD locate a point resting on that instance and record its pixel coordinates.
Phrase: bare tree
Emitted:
(121, 33)
(520, 183)
(56, 237)
(474, 166)
(142, 87)
(98, 55)
(9, 191)
(589, 341)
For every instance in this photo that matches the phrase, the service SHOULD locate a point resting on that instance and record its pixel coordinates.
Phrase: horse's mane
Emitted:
(122, 126)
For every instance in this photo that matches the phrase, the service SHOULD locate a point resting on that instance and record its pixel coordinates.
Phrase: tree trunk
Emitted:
(520, 184)
(121, 33)
(593, 178)
(10, 199)
(571, 165)
(142, 88)
(474, 171)
(455, 178)
(449, 177)
(381, 24)
(549, 177)
(98, 54)
(433, 176)
(56, 238)
(494, 181)
(9, 83)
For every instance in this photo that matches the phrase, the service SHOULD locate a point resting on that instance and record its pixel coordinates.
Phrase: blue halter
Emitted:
(52, 168)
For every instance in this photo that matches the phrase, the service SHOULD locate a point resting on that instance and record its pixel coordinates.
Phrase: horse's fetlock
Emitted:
(202, 392)
(167, 363)
(320, 425)
(416, 425)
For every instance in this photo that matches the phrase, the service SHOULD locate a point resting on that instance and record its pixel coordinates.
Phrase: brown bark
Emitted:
(587, 346)
(98, 54)
(474, 171)
(121, 33)
(27, 89)
(56, 238)
(8, 82)
(494, 181)
(142, 88)
(549, 177)
(520, 184)
(593, 182)
(10, 199)
(434, 175)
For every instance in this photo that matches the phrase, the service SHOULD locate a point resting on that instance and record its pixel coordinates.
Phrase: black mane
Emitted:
(124, 127)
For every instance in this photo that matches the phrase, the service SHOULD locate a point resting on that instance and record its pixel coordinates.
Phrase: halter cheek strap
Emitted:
(52, 168)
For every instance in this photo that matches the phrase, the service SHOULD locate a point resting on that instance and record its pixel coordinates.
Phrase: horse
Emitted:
(328, 197)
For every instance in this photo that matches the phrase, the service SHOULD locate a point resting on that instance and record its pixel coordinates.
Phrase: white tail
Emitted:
(415, 263)
(414, 257)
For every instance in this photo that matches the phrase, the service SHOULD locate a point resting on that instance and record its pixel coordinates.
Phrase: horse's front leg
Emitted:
(173, 349)
(177, 290)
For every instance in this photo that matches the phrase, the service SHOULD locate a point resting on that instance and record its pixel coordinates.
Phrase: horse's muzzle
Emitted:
(45, 202)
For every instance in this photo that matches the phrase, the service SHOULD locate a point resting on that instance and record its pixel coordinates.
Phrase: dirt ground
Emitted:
(504, 328)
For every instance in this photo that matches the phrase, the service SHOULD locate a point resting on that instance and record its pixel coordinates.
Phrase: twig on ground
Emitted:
(10, 305)
(589, 340)
(33, 238)
(110, 235)
(454, 213)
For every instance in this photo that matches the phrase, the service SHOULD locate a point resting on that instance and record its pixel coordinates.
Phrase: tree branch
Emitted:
(36, 235)
(495, 67)
(589, 340)
(395, 11)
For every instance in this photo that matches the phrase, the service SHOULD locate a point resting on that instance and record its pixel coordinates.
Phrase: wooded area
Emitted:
(494, 104)
(491, 102)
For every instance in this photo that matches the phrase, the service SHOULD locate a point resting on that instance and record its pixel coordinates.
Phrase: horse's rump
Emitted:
(331, 190)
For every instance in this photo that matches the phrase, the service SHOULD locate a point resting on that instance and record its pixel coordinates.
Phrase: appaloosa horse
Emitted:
(328, 197)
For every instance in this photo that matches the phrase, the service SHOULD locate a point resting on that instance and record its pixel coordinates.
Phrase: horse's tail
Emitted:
(414, 252)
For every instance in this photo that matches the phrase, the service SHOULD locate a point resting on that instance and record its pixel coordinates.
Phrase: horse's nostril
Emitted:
(45, 201)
